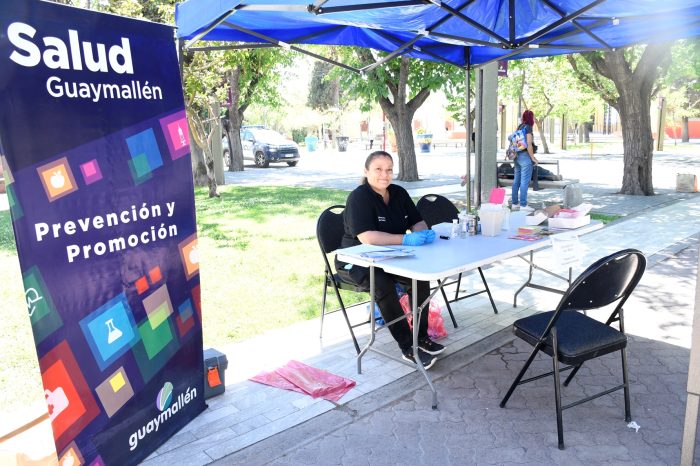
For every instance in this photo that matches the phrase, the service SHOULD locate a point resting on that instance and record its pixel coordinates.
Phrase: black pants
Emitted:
(388, 301)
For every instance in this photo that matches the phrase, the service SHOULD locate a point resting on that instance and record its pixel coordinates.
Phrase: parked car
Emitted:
(265, 146)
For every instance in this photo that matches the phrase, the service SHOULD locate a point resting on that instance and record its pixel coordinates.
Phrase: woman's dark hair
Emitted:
(528, 118)
(372, 156)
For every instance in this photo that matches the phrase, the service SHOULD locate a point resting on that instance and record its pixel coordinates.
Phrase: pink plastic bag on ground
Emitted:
(273, 379)
(305, 379)
(436, 324)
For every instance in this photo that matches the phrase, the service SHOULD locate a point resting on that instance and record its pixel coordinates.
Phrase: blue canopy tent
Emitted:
(460, 32)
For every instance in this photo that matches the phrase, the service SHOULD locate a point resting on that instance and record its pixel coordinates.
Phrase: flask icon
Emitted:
(114, 332)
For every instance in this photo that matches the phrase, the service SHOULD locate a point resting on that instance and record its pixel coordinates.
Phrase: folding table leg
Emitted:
(416, 324)
(488, 291)
(447, 304)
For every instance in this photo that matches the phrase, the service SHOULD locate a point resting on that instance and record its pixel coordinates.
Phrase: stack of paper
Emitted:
(530, 230)
(382, 253)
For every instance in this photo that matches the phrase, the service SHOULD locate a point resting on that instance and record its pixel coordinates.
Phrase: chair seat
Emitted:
(579, 337)
(343, 285)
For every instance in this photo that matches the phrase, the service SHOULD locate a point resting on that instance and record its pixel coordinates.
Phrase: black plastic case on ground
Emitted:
(214, 359)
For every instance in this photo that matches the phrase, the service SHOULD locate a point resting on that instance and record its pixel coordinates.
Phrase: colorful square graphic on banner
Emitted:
(145, 155)
(158, 306)
(140, 171)
(156, 347)
(42, 313)
(197, 300)
(155, 275)
(176, 134)
(57, 179)
(68, 397)
(141, 285)
(190, 256)
(7, 173)
(15, 207)
(71, 456)
(155, 338)
(97, 462)
(91, 171)
(184, 318)
(110, 330)
(115, 391)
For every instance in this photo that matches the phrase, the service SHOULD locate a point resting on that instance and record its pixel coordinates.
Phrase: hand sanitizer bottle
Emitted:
(455, 228)
(463, 224)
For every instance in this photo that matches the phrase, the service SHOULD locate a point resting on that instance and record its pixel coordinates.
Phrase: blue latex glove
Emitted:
(429, 236)
(414, 239)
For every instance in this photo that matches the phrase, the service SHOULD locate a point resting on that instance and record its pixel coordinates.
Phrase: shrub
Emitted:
(298, 134)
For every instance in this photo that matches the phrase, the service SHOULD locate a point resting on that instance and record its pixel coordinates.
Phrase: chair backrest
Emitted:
(435, 209)
(610, 279)
(330, 229)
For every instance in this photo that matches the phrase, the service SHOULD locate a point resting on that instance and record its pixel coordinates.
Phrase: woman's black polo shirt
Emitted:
(365, 210)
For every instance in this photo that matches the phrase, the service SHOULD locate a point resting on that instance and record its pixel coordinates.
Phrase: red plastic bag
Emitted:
(436, 324)
(308, 380)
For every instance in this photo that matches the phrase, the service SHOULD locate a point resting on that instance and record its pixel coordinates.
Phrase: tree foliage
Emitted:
(682, 84)
(323, 91)
(252, 75)
(400, 86)
(548, 87)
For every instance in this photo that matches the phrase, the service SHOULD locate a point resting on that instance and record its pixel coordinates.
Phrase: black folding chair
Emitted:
(329, 232)
(572, 338)
(435, 209)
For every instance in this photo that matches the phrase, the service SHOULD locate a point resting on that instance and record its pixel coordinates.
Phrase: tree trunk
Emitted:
(638, 145)
(236, 121)
(408, 167)
(199, 168)
(634, 89)
(540, 124)
(586, 128)
(400, 114)
(202, 160)
(685, 135)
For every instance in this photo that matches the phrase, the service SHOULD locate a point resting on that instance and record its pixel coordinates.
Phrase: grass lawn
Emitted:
(260, 269)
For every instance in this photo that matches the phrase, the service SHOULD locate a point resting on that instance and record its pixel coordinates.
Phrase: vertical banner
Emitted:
(99, 181)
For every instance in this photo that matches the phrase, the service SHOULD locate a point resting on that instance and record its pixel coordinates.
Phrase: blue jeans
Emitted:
(521, 180)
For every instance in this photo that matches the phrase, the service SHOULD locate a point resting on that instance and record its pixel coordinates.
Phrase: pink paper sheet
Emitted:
(302, 378)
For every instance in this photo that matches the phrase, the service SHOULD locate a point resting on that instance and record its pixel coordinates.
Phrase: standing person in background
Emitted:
(524, 163)
(380, 213)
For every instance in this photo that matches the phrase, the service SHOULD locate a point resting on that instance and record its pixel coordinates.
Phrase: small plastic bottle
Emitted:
(463, 224)
(506, 219)
(455, 228)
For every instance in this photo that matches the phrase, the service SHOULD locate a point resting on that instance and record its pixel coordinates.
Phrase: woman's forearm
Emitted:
(380, 238)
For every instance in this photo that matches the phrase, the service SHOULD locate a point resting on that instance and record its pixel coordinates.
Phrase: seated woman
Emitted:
(379, 213)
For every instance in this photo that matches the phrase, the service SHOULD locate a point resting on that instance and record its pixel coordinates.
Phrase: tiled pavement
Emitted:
(395, 425)
(249, 413)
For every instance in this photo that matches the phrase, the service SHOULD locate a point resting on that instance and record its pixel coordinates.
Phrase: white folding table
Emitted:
(444, 258)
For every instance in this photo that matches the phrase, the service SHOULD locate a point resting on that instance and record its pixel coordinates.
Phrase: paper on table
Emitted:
(386, 253)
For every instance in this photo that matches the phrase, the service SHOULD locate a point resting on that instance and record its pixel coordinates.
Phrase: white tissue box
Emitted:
(535, 218)
(569, 223)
